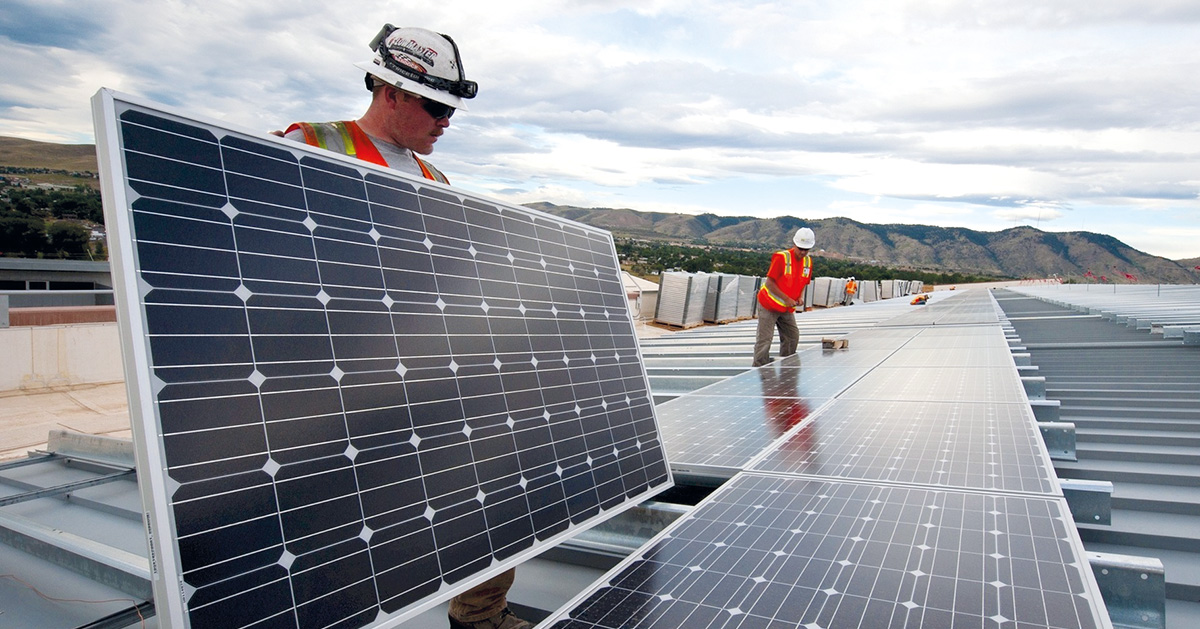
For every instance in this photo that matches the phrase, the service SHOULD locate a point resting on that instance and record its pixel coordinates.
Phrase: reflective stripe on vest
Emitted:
(355, 143)
(769, 300)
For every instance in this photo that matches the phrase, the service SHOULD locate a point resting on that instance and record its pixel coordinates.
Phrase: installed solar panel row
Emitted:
(354, 393)
(776, 551)
(920, 495)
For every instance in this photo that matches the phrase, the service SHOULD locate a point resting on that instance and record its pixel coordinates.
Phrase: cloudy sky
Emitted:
(1064, 115)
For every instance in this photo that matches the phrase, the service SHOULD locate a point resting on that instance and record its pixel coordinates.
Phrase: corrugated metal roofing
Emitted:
(1134, 398)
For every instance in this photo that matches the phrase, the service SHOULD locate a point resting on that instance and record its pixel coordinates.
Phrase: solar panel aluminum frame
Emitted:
(156, 487)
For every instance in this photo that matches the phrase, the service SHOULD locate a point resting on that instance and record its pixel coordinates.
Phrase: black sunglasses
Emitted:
(436, 109)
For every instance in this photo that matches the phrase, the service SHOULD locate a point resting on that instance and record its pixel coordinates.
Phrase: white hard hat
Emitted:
(805, 238)
(421, 62)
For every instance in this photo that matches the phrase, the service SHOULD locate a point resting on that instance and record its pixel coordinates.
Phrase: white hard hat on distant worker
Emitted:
(805, 238)
(420, 62)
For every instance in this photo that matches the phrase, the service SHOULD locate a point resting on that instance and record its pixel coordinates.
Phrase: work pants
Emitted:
(789, 335)
(484, 600)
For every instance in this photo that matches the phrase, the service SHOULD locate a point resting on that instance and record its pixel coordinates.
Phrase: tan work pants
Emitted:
(484, 600)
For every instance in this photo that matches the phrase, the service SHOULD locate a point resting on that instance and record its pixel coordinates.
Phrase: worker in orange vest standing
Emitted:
(781, 292)
(416, 81)
(851, 289)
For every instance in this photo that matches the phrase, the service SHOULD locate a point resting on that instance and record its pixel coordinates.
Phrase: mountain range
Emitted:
(1021, 252)
(1018, 252)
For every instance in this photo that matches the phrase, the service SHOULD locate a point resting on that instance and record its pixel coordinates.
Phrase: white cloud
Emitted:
(949, 112)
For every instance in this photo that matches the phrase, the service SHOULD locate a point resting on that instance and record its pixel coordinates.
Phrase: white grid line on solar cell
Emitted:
(953, 444)
(805, 552)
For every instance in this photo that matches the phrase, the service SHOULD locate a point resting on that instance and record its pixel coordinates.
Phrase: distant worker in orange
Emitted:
(781, 292)
(851, 289)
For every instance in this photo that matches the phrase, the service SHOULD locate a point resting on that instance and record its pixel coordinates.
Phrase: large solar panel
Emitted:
(959, 338)
(981, 384)
(715, 431)
(715, 436)
(953, 444)
(355, 393)
(961, 357)
(791, 377)
(770, 552)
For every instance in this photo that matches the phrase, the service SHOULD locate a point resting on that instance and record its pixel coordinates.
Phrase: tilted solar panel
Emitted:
(355, 393)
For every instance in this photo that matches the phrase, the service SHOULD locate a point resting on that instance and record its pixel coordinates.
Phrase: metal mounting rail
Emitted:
(65, 488)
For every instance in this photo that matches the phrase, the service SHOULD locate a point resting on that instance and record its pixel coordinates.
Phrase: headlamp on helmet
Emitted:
(461, 88)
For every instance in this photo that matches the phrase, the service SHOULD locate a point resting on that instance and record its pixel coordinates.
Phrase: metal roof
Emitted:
(1134, 397)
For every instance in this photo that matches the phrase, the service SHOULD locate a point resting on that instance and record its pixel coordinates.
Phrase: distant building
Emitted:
(21, 274)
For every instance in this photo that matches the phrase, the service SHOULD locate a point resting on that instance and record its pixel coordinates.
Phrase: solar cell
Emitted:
(355, 393)
(773, 551)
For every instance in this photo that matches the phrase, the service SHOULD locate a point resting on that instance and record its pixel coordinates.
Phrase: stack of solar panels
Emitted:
(901, 483)
(747, 302)
(868, 291)
(681, 299)
(355, 393)
(822, 291)
(721, 301)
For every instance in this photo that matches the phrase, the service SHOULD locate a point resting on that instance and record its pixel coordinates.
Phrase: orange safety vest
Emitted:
(851, 287)
(355, 143)
(789, 279)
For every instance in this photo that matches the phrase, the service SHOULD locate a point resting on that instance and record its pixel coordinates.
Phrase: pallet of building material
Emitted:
(681, 299)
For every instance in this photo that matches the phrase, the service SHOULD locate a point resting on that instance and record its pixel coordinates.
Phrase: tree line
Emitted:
(51, 223)
(646, 259)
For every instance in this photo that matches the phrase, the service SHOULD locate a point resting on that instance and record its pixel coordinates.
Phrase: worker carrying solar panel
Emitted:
(781, 292)
(417, 82)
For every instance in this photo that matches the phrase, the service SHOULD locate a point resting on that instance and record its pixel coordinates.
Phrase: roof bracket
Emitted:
(1134, 589)
(1090, 501)
(1060, 440)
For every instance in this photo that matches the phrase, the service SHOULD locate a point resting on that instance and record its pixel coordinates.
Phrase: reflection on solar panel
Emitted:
(817, 379)
(766, 551)
(715, 436)
(352, 391)
(956, 444)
